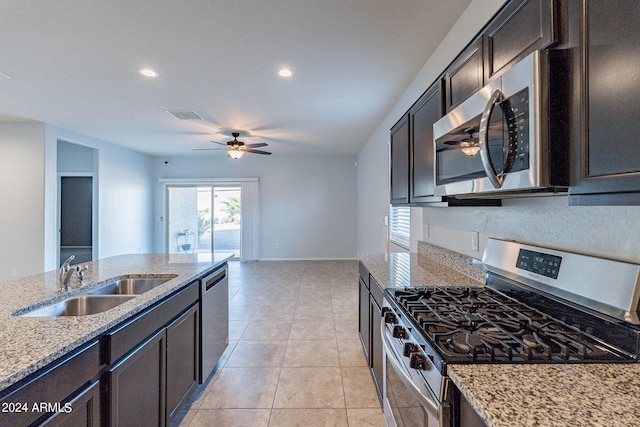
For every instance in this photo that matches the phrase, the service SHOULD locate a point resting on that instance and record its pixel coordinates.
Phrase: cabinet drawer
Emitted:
(376, 292)
(364, 274)
(53, 384)
(120, 341)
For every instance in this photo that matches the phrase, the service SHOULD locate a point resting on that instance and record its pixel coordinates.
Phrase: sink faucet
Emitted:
(65, 273)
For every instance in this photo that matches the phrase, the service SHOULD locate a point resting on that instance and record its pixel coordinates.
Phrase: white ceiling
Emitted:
(74, 64)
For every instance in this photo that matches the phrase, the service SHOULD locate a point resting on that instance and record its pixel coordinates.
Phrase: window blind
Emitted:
(400, 225)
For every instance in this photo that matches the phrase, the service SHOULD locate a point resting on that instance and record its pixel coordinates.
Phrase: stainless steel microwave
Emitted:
(510, 137)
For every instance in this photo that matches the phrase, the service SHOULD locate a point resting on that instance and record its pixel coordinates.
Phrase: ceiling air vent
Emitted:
(184, 115)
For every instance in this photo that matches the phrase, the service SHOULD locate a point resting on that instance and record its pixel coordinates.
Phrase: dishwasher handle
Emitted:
(213, 279)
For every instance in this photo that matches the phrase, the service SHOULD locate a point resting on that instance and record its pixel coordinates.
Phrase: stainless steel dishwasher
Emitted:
(214, 309)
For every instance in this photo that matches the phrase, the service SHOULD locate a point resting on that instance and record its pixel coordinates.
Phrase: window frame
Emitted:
(400, 226)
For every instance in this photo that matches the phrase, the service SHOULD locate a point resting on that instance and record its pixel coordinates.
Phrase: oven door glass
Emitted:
(406, 410)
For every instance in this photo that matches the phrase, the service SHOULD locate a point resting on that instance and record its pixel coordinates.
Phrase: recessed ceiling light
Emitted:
(148, 72)
(284, 72)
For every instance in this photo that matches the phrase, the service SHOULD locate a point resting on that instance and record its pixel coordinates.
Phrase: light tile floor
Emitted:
(295, 358)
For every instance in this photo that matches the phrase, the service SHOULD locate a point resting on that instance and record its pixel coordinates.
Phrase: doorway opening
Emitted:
(76, 218)
(204, 219)
(77, 201)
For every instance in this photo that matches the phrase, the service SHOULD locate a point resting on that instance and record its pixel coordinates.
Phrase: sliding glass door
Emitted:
(204, 218)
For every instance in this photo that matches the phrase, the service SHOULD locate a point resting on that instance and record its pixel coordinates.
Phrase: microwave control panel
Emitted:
(516, 114)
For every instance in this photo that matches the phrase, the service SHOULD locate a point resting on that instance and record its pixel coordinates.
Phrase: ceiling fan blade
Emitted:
(221, 143)
(256, 145)
(208, 149)
(249, 150)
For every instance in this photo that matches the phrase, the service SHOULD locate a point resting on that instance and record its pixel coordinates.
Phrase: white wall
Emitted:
(307, 204)
(21, 198)
(125, 196)
(373, 159)
(29, 199)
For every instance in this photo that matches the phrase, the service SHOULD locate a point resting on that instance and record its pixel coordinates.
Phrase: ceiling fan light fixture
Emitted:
(235, 154)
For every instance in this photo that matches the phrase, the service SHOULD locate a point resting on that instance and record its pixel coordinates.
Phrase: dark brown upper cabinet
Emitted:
(425, 112)
(399, 153)
(606, 167)
(465, 75)
(413, 155)
(517, 30)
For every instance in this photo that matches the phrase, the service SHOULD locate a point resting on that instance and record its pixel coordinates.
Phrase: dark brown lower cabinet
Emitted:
(370, 312)
(182, 360)
(364, 319)
(63, 393)
(153, 362)
(136, 385)
(139, 373)
(85, 410)
(376, 359)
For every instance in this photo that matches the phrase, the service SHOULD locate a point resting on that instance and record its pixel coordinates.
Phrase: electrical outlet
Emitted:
(13, 272)
(475, 245)
(425, 231)
(277, 245)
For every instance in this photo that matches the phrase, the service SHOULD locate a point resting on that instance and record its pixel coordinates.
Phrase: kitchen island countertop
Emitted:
(30, 343)
(523, 395)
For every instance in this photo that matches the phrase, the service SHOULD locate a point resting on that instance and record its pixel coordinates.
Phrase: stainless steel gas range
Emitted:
(538, 306)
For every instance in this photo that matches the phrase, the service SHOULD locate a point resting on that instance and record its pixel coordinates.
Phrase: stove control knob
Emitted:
(389, 317)
(417, 361)
(409, 349)
(399, 332)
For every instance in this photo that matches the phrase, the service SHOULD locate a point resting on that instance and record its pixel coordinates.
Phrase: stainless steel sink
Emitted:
(80, 306)
(132, 285)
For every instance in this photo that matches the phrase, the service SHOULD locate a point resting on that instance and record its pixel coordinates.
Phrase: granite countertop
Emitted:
(523, 395)
(399, 269)
(30, 343)
(602, 395)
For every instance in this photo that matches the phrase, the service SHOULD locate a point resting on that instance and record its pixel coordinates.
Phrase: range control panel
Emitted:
(539, 263)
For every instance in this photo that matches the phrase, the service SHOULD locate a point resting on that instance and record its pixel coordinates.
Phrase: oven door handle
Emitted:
(483, 136)
(430, 404)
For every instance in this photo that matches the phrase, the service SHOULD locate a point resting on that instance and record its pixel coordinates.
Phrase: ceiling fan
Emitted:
(236, 149)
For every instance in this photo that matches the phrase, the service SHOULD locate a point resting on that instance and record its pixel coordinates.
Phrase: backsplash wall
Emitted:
(607, 231)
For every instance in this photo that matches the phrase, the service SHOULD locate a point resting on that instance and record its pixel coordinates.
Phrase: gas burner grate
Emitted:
(481, 325)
